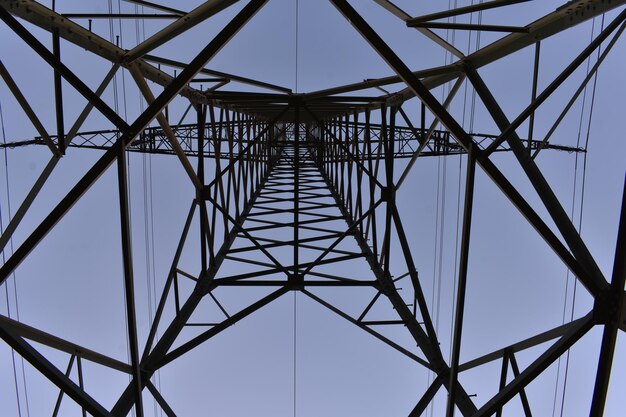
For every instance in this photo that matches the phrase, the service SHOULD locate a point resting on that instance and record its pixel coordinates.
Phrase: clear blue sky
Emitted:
(72, 284)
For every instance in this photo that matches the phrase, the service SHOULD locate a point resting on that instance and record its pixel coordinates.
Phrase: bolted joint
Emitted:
(295, 282)
(204, 194)
(388, 194)
(387, 286)
(607, 308)
(395, 100)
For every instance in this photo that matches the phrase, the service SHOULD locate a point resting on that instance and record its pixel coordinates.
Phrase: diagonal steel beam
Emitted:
(402, 15)
(424, 141)
(610, 307)
(142, 121)
(45, 174)
(169, 133)
(155, 6)
(463, 10)
(39, 362)
(428, 396)
(509, 130)
(387, 286)
(153, 357)
(565, 17)
(69, 76)
(198, 15)
(55, 342)
(28, 110)
(229, 321)
(593, 279)
(418, 88)
(535, 368)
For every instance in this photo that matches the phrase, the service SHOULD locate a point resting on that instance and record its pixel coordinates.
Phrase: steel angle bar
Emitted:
(142, 121)
(462, 278)
(28, 110)
(234, 318)
(611, 305)
(428, 396)
(155, 6)
(537, 367)
(463, 138)
(57, 405)
(129, 285)
(300, 285)
(39, 336)
(591, 73)
(522, 345)
(260, 135)
(504, 370)
(431, 131)
(387, 286)
(344, 148)
(509, 130)
(173, 268)
(522, 394)
(169, 133)
(448, 70)
(563, 18)
(39, 362)
(244, 231)
(419, 293)
(593, 279)
(203, 286)
(45, 174)
(160, 400)
(367, 329)
(120, 16)
(349, 231)
(402, 15)
(468, 26)
(184, 23)
(463, 10)
(69, 76)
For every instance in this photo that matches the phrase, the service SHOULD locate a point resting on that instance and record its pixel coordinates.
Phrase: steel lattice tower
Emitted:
(291, 185)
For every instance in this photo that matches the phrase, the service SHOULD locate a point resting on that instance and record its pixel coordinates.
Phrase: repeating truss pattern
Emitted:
(305, 181)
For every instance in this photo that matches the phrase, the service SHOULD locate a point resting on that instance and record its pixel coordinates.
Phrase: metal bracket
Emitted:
(606, 308)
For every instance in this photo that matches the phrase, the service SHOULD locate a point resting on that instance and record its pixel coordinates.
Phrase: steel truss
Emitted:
(317, 160)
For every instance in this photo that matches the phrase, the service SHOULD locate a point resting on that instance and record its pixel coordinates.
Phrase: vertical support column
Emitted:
(296, 194)
(608, 309)
(58, 93)
(371, 222)
(387, 143)
(531, 120)
(204, 234)
(129, 290)
(463, 262)
(349, 141)
(359, 172)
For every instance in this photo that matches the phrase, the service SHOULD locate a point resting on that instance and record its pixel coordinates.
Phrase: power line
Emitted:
(6, 288)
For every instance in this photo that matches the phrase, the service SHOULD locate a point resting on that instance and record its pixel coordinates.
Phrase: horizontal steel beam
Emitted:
(58, 343)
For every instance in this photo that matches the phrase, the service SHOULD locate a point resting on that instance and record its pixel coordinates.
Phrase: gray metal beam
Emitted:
(198, 15)
(39, 362)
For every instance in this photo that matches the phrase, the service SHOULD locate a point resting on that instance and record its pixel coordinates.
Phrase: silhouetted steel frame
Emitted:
(337, 159)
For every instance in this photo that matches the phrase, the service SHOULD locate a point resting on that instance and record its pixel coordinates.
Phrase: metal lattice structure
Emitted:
(287, 184)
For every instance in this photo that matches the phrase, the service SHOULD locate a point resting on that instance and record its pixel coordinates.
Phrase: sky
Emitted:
(72, 284)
